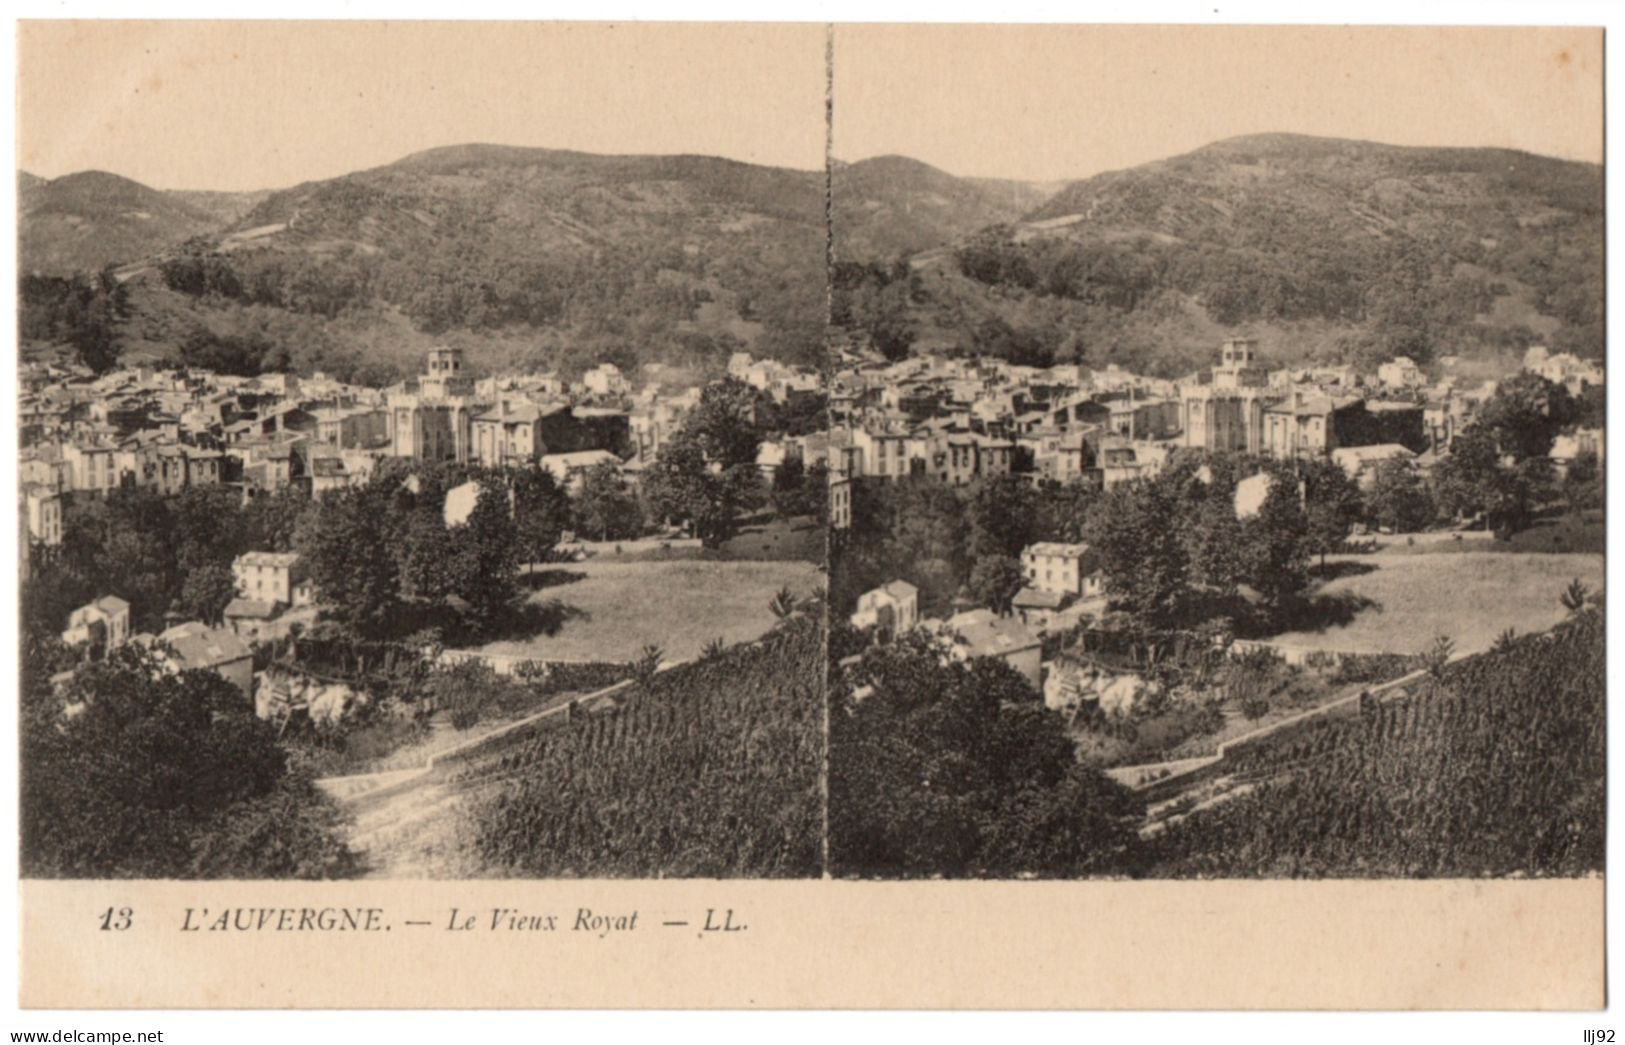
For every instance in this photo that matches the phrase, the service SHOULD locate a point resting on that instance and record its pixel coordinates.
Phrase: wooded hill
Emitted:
(82, 222)
(528, 257)
(1326, 249)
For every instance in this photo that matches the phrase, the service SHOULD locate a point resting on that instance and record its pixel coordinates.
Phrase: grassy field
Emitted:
(609, 610)
(1471, 596)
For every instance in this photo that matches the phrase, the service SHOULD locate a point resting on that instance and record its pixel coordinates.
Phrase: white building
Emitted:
(1062, 569)
(44, 508)
(1400, 372)
(110, 611)
(272, 577)
(890, 609)
(606, 379)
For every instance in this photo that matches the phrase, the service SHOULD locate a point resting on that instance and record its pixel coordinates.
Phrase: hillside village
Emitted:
(564, 539)
(956, 421)
(166, 432)
(962, 422)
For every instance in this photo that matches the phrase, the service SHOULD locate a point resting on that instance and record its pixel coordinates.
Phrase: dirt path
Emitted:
(414, 822)
(418, 831)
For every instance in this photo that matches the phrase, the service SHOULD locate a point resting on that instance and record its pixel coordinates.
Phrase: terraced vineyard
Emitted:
(707, 770)
(1495, 768)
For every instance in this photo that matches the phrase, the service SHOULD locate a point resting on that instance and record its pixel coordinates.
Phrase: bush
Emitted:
(164, 775)
(294, 832)
(585, 676)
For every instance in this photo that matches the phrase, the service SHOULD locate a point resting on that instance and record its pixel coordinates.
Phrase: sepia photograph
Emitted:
(418, 486)
(1218, 456)
(823, 515)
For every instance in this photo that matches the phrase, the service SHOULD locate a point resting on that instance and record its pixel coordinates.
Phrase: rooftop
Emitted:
(1070, 551)
(282, 560)
(251, 609)
(198, 646)
(985, 634)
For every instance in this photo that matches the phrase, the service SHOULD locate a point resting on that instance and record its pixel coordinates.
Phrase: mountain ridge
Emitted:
(526, 257)
(1329, 248)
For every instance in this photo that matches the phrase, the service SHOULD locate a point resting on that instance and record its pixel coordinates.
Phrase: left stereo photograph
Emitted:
(423, 450)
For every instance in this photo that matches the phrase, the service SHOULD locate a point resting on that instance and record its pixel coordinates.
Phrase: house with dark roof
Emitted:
(509, 435)
(983, 633)
(194, 646)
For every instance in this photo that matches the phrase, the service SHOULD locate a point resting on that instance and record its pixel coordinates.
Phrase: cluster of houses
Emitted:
(169, 430)
(961, 420)
(1064, 583)
(273, 593)
(102, 626)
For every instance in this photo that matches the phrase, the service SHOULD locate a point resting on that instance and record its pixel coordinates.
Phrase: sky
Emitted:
(1045, 103)
(256, 105)
(253, 105)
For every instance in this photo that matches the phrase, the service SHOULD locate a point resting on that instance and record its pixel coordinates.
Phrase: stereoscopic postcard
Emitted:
(536, 515)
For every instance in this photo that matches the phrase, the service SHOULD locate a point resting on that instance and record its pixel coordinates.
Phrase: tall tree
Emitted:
(1278, 542)
(684, 487)
(348, 545)
(724, 423)
(269, 522)
(604, 508)
(788, 492)
(150, 777)
(541, 513)
(957, 769)
(429, 559)
(1526, 413)
(1332, 504)
(1003, 515)
(207, 591)
(1143, 554)
(486, 564)
(995, 580)
(1468, 481)
(1399, 500)
(1063, 510)
(123, 545)
(1217, 542)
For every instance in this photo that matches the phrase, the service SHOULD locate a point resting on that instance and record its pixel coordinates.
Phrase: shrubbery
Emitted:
(158, 775)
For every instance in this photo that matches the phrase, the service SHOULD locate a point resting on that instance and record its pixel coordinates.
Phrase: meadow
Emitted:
(608, 611)
(1402, 600)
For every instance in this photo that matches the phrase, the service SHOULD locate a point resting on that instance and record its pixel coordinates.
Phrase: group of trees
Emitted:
(942, 767)
(158, 554)
(1171, 547)
(705, 476)
(162, 775)
(1174, 552)
(487, 268)
(382, 554)
(370, 549)
(83, 311)
(1498, 467)
(1368, 253)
